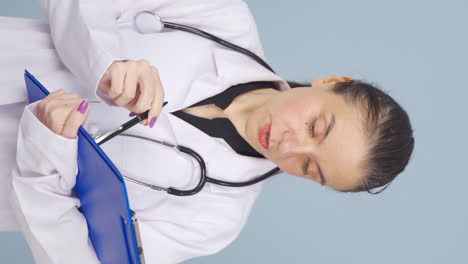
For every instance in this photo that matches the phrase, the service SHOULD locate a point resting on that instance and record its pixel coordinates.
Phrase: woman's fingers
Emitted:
(117, 81)
(134, 85)
(146, 95)
(129, 85)
(59, 112)
(76, 118)
(112, 81)
(105, 82)
(53, 95)
(157, 102)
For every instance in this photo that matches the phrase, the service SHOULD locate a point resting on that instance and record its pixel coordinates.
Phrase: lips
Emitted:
(264, 136)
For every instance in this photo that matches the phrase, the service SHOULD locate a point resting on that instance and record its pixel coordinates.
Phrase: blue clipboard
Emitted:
(102, 193)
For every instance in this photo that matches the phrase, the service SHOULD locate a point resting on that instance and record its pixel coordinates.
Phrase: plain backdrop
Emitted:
(415, 50)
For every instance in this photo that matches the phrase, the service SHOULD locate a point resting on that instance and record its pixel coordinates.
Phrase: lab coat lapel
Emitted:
(235, 68)
(231, 68)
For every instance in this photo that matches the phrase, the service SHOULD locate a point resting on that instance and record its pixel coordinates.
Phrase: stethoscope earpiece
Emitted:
(148, 23)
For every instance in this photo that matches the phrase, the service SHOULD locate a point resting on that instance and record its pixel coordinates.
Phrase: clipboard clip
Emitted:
(138, 238)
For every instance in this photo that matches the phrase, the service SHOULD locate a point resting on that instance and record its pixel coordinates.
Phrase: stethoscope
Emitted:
(146, 23)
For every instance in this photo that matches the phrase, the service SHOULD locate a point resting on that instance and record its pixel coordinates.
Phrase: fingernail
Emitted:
(132, 114)
(82, 107)
(153, 120)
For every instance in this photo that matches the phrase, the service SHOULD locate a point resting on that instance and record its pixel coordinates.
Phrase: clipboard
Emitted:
(103, 196)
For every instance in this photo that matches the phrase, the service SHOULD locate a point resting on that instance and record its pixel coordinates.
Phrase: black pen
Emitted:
(114, 132)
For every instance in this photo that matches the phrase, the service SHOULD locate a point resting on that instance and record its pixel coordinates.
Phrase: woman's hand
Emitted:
(63, 113)
(136, 86)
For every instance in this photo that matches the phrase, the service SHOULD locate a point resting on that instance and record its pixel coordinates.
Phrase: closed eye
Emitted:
(319, 172)
(325, 134)
(324, 129)
(312, 127)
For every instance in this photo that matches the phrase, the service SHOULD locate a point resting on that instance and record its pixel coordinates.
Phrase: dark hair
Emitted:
(388, 129)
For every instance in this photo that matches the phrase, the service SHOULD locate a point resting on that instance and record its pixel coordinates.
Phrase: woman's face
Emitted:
(313, 132)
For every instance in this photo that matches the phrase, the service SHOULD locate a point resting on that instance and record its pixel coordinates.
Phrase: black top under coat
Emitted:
(223, 127)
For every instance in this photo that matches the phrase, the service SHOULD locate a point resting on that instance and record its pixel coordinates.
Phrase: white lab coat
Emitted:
(87, 36)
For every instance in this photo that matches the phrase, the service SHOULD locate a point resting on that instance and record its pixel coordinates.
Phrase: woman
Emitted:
(341, 133)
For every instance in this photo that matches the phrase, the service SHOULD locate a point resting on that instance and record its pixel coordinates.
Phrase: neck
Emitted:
(244, 105)
(247, 103)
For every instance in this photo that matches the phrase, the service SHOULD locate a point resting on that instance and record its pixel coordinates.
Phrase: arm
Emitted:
(42, 195)
(85, 36)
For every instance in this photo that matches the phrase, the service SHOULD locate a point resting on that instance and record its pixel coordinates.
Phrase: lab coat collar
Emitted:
(232, 68)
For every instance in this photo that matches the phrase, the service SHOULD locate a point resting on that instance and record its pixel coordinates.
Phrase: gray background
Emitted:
(416, 50)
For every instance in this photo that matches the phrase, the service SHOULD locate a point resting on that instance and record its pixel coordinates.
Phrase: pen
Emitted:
(140, 117)
(114, 132)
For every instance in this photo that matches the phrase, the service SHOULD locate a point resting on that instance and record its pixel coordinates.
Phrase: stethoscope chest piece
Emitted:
(148, 23)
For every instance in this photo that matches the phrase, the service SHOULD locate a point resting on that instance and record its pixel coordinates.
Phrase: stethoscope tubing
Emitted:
(201, 33)
(217, 40)
(203, 174)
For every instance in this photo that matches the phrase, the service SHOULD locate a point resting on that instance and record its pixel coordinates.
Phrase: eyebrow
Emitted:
(330, 127)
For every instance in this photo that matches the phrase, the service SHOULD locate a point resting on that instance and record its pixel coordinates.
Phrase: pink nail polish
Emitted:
(82, 107)
(153, 120)
(132, 114)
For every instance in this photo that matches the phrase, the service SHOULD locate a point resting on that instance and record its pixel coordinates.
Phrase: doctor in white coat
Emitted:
(87, 37)
(81, 42)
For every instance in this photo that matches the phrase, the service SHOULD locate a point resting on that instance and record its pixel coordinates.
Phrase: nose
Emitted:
(292, 144)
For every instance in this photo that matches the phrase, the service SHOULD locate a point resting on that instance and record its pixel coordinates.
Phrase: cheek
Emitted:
(287, 166)
(292, 109)
(292, 168)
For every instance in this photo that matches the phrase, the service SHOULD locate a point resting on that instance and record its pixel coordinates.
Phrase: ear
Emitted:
(330, 80)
